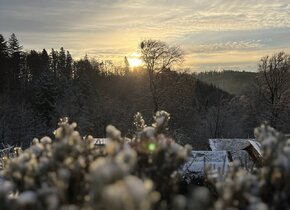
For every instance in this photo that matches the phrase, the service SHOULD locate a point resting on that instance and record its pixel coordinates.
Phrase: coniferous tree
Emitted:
(44, 60)
(45, 96)
(84, 98)
(15, 53)
(66, 102)
(83, 67)
(34, 64)
(13, 45)
(85, 79)
(3, 45)
(127, 65)
(54, 62)
(61, 66)
(68, 66)
(3, 62)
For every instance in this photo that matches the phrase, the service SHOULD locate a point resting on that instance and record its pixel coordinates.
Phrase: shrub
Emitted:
(69, 172)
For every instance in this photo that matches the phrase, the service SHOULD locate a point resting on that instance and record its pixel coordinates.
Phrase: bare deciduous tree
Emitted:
(158, 57)
(274, 83)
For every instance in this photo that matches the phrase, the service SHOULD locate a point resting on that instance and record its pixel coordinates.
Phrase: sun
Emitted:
(135, 60)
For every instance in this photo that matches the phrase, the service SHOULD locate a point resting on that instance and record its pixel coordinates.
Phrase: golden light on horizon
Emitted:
(135, 60)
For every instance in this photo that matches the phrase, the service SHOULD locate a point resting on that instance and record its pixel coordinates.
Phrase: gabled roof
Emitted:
(200, 161)
(229, 144)
(247, 151)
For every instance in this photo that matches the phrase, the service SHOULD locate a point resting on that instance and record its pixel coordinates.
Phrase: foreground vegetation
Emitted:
(69, 172)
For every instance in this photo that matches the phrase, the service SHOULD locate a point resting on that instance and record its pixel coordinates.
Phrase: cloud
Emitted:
(115, 27)
(226, 46)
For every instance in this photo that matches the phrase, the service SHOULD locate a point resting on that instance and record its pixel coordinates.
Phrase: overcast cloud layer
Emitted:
(215, 34)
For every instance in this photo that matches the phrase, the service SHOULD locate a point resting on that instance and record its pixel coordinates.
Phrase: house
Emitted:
(247, 151)
(201, 163)
(100, 142)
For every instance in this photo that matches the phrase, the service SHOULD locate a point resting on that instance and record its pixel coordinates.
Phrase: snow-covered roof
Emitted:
(100, 141)
(201, 161)
(103, 141)
(257, 146)
(238, 148)
(255, 152)
(229, 144)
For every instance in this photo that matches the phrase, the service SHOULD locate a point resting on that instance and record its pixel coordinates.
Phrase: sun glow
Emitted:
(135, 60)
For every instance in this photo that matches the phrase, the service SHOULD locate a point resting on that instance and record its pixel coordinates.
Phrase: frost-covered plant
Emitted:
(159, 157)
(70, 172)
(54, 170)
(264, 189)
(275, 175)
(8, 152)
(239, 190)
(139, 122)
(113, 186)
(200, 198)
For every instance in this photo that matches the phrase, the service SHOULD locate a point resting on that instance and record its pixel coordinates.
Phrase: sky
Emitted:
(214, 34)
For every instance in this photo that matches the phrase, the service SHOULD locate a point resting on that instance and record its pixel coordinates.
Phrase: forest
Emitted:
(39, 88)
(233, 82)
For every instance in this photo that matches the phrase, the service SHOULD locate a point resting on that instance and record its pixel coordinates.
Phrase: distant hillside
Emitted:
(233, 82)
